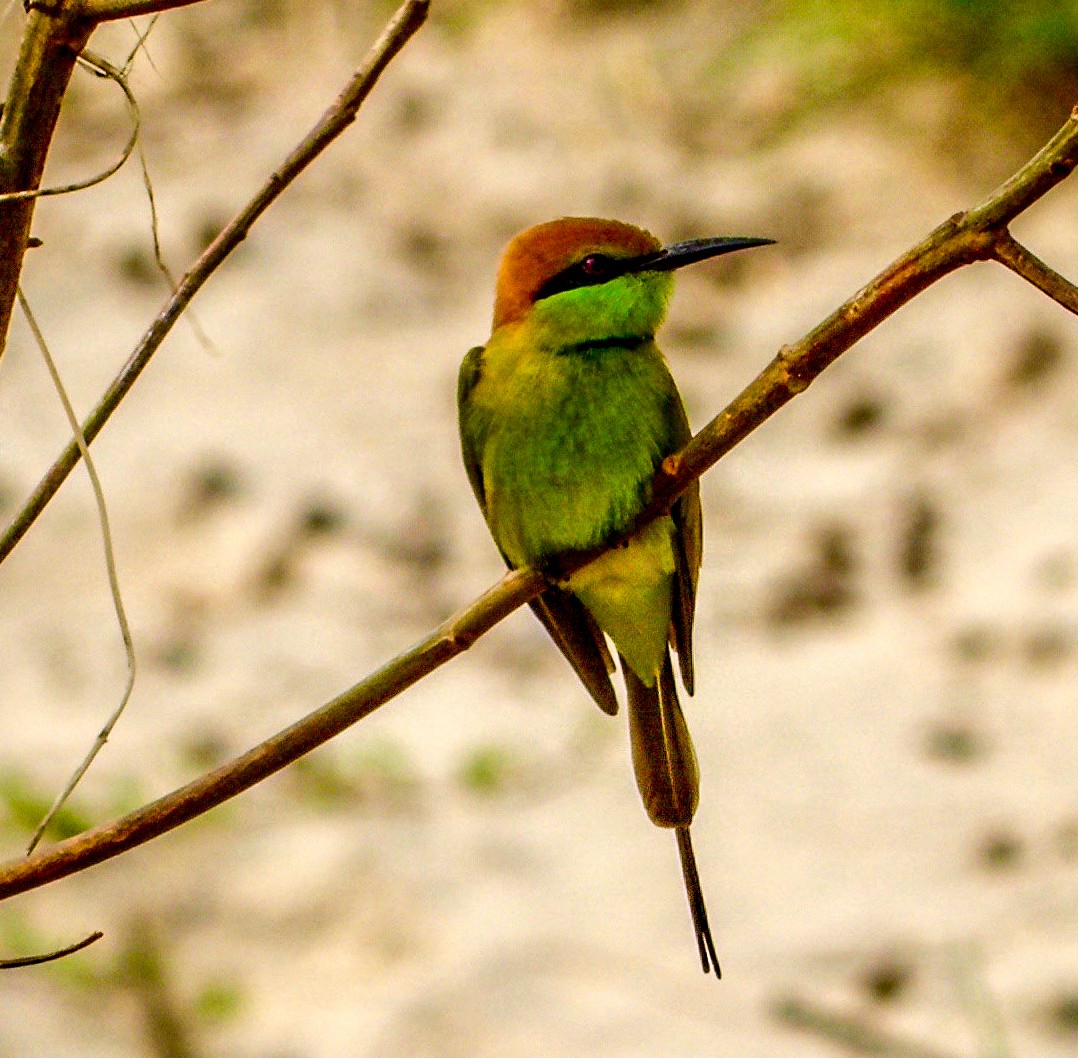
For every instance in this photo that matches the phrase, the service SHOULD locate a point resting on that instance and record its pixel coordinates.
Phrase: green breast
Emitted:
(573, 443)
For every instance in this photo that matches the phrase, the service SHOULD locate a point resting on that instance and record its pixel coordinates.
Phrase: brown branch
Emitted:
(1019, 260)
(111, 10)
(170, 811)
(51, 43)
(961, 240)
(1054, 162)
(336, 119)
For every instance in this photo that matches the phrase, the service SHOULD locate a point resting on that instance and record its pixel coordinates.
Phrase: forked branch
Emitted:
(963, 239)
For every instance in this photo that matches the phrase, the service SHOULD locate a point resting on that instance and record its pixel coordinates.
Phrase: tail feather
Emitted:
(663, 755)
(666, 773)
(704, 941)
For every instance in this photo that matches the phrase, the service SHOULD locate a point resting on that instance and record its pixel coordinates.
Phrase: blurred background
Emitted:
(888, 619)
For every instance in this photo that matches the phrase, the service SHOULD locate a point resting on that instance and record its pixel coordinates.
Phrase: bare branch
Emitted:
(50, 45)
(337, 118)
(174, 809)
(1051, 164)
(1019, 260)
(111, 10)
(963, 239)
(60, 953)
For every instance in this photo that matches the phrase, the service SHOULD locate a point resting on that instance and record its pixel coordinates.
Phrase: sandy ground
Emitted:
(888, 619)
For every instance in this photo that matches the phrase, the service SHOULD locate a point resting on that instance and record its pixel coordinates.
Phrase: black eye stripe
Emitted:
(594, 269)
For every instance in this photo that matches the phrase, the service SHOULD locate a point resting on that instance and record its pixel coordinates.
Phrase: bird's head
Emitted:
(583, 279)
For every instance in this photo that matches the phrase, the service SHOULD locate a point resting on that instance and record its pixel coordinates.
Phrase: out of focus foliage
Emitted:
(1010, 66)
(1008, 51)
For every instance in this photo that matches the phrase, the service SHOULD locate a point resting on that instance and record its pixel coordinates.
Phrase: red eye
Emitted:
(593, 266)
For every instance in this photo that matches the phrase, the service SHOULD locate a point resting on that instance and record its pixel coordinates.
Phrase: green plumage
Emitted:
(562, 433)
(566, 415)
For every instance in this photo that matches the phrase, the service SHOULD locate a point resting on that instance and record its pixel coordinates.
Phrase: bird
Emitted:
(566, 415)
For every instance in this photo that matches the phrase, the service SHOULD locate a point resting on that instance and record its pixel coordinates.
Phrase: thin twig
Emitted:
(193, 322)
(961, 240)
(337, 118)
(1019, 260)
(110, 566)
(102, 68)
(140, 45)
(60, 953)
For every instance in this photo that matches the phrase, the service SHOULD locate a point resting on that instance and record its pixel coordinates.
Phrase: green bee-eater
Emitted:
(565, 417)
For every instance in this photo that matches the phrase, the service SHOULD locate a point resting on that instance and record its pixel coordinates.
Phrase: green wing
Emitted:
(688, 551)
(565, 618)
(470, 439)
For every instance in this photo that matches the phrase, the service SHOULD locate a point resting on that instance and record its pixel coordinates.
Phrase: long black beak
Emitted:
(685, 253)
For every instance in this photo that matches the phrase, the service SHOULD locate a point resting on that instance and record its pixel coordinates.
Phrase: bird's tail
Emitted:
(669, 782)
(697, 906)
